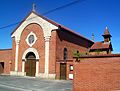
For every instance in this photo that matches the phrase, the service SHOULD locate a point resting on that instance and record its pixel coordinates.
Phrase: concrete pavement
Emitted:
(35, 84)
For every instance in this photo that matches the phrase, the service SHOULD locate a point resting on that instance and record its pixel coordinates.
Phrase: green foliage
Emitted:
(98, 51)
(76, 54)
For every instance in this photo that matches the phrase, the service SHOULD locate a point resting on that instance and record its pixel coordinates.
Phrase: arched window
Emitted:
(65, 54)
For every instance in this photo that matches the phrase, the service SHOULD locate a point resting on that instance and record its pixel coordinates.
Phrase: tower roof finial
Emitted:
(93, 37)
(106, 28)
(106, 32)
(33, 7)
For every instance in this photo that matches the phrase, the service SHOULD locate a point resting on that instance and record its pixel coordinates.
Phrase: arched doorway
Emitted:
(30, 64)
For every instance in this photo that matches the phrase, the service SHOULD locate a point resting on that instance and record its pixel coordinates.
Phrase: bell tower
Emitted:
(107, 36)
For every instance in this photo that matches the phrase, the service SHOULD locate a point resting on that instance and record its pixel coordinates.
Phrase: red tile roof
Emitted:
(100, 45)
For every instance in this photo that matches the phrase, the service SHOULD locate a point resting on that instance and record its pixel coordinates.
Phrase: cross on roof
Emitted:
(33, 7)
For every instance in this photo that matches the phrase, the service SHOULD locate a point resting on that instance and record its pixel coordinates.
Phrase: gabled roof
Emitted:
(54, 23)
(100, 45)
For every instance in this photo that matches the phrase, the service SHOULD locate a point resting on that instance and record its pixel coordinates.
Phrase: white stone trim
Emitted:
(33, 18)
(37, 58)
(43, 75)
(21, 73)
(13, 73)
(51, 76)
(23, 66)
(37, 68)
(47, 55)
(31, 33)
(16, 55)
(30, 50)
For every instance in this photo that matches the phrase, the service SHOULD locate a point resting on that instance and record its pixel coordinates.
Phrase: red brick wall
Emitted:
(72, 42)
(13, 54)
(68, 63)
(1, 67)
(6, 57)
(98, 73)
(52, 53)
(59, 40)
(65, 39)
(39, 45)
(57, 70)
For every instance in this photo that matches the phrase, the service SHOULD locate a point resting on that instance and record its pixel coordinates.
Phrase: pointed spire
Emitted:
(106, 32)
(107, 36)
(33, 7)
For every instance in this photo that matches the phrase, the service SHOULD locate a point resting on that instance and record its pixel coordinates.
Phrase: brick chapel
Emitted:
(43, 48)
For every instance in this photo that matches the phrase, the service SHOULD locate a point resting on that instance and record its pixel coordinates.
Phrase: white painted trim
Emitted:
(47, 27)
(21, 73)
(23, 66)
(37, 58)
(47, 55)
(16, 55)
(13, 73)
(37, 68)
(30, 50)
(43, 75)
(35, 38)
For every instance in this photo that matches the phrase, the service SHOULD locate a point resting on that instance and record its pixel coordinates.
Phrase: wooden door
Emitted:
(30, 67)
(63, 71)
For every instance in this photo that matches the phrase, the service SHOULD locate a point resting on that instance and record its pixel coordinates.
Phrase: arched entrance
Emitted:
(30, 64)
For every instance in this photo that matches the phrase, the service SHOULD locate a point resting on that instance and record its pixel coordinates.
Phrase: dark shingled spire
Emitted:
(106, 32)
(107, 35)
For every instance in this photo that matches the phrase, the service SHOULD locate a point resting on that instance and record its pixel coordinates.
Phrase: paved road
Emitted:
(7, 88)
(33, 84)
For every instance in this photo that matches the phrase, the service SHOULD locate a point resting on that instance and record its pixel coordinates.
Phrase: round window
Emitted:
(31, 39)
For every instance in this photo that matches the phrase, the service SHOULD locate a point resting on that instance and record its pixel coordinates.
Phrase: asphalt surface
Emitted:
(12, 83)
(7, 88)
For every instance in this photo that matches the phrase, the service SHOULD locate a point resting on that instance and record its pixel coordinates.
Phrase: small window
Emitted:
(77, 51)
(71, 67)
(31, 39)
(65, 54)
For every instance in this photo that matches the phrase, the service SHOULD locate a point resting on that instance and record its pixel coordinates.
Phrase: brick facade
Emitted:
(5, 61)
(50, 41)
(39, 45)
(68, 71)
(68, 40)
(92, 73)
(97, 73)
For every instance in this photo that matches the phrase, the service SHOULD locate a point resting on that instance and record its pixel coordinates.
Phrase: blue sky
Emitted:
(85, 17)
